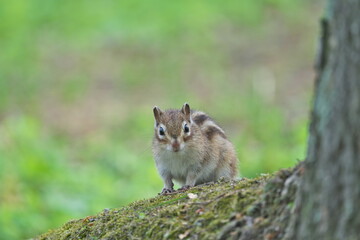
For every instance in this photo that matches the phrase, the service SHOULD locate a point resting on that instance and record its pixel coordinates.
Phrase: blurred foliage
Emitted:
(78, 81)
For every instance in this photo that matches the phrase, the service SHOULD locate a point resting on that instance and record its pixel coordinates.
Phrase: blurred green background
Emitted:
(78, 81)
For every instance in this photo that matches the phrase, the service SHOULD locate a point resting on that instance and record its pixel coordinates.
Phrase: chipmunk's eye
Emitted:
(161, 131)
(186, 128)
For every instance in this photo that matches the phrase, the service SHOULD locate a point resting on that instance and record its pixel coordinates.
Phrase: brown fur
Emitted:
(212, 131)
(200, 119)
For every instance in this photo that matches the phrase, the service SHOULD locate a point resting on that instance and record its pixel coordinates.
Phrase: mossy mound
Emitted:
(247, 209)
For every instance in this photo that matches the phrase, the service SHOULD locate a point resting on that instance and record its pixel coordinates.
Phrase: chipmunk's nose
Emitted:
(175, 145)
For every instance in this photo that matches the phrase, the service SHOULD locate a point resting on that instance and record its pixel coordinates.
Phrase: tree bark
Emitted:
(328, 203)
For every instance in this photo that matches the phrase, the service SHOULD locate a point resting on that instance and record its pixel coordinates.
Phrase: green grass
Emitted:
(78, 82)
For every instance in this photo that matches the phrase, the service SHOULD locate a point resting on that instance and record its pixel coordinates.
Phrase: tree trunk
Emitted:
(328, 202)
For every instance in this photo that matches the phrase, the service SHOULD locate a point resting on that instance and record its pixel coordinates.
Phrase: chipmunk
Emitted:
(189, 147)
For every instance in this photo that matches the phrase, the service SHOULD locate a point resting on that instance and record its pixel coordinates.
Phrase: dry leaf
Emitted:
(184, 235)
(192, 195)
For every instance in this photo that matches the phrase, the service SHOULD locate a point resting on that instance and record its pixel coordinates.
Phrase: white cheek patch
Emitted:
(182, 145)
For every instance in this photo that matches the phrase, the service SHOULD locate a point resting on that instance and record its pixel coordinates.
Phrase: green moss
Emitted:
(220, 210)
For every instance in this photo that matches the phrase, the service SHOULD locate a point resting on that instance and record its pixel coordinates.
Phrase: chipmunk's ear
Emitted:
(186, 111)
(157, 114)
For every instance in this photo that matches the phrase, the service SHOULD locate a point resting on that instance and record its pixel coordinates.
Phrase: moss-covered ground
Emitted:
(256, 208)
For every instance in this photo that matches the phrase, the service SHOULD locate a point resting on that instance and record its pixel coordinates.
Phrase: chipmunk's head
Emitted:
(173, 127)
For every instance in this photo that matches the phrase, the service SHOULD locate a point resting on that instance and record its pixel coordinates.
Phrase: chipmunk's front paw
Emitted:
(166, 191)
(184, 188)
